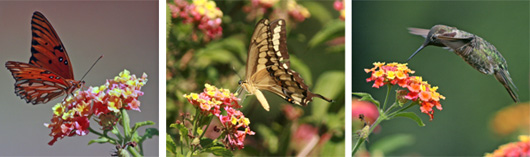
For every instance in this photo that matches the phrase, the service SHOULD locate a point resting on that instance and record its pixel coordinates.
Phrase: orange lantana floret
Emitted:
(419, 91)
(393, 73)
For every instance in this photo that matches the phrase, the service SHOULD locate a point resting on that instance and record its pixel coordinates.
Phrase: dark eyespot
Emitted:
(66, 62)
(60, 59)
(51, 77)
(50, 61)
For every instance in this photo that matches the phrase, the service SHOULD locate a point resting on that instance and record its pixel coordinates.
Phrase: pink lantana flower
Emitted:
(72, 116)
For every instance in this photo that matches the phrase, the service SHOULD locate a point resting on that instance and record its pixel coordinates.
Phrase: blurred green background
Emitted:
(462, 127)
(316, 49)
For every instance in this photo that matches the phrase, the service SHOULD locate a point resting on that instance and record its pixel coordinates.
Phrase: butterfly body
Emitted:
(49, 73)
(268, 67)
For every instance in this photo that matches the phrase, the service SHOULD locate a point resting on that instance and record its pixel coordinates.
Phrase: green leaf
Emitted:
(335, 122)
(183, 131)
(391, 143)
(205, 120)
(301, 68)
(170, 144)
(333, 148)
(271, 139)
(224, 51)
(168, 21)
(367, 97)
(150, 132)
(99, 140)
(330, 84)
(206, 142)
(331, 30)
(318, 11)
(140, 124)
(412, 116)
(219, 151)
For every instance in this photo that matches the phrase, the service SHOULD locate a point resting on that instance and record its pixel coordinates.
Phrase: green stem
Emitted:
(387, 94)
(204, 131)
(125, 121)
(195, 126)
(133, 151)
(102, 135)
(361, 139)
(196, 121)
(382, 116)
(115, 130)
(401, 110)
(181, 146)
(390, 108)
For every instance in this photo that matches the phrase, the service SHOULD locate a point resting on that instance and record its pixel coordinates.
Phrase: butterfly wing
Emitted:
(268, 66)
(35, 84)
(47, 50)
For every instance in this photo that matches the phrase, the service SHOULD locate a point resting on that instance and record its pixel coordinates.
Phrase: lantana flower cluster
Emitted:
(204, 14)
(72, 116)
(339, 6)
(232, 122)
(417, 90)
(520, 148)
(212, 99)
(257, 8)
(235, 124)
(297, 11)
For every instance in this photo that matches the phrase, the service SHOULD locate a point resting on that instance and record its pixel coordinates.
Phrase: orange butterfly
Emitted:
(48, 74)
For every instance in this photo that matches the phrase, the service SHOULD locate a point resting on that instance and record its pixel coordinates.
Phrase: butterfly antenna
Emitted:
(92, 66)
(234, 69)
(239, 90)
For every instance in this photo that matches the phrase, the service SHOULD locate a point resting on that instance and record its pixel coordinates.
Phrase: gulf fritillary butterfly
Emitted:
(48, 74)
(268, 67)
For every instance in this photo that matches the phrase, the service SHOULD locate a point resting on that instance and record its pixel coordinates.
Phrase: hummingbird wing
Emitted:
(419, 31)
(454, 42)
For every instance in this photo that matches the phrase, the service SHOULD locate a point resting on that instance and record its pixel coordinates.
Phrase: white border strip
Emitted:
(162, 78)
(348, 71)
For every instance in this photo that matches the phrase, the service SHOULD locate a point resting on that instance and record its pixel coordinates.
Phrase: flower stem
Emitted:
(387, 94)
(133, 151)
(196, 121)
(102, 135)
(206, 129)
(402, 109)
(382, 116)
(116, 131)
(362, 139)
(390, 108)
(125, 121)
(195, 125)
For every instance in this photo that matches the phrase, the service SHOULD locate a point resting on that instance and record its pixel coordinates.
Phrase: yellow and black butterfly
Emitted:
(268, 67)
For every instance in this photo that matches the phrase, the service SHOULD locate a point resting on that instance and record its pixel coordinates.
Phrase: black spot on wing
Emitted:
(32, 59)
(59, 47)
(34, 42)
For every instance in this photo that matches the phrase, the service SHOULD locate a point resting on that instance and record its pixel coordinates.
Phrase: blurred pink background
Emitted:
(126, 33)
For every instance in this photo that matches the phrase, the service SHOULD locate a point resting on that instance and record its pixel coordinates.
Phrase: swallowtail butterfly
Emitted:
(268, 67)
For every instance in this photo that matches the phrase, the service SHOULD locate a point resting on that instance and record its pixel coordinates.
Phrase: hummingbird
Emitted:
(476, 51)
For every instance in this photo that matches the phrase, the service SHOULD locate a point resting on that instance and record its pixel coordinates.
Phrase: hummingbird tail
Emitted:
(504, 77)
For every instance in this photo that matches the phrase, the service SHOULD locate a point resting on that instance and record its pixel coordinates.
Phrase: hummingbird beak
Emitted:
(419, 49)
